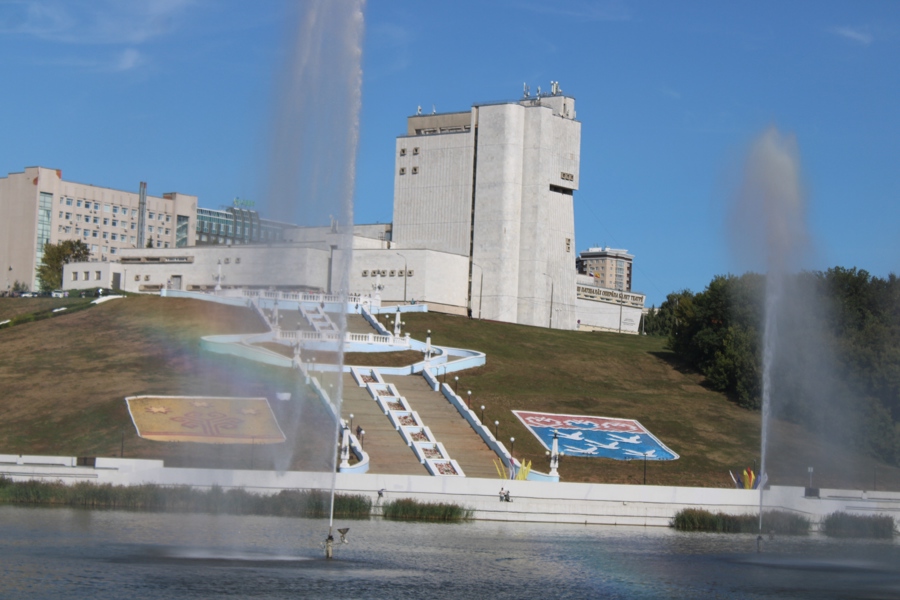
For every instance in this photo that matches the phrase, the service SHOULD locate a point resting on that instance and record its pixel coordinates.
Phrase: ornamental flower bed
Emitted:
(445, 468)
(395, 405)
(419, 436)
(432, 452)
(406, 420)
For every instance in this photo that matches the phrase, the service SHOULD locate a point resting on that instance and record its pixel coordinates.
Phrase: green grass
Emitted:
(844, 525)
(287, 503)
(407, 509)
(63, 382)
(779, 522)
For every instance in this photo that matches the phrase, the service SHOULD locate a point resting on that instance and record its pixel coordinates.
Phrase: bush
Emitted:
(407, 509)
(780, 522)
(841, 524)
(183, 498)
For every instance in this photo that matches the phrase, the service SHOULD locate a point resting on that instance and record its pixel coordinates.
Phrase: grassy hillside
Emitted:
(63, 380)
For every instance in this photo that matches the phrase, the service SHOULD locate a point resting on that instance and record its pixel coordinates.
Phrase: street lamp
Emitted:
(362, 435)
(496, 426)
(482, 413)
(405, 272)
(512, 449)
(645, 468)
(351, 421)
(551, 299)
(469, 399)
(456, 385)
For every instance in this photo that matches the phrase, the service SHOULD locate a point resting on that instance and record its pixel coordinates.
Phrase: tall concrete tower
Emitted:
(496, 184)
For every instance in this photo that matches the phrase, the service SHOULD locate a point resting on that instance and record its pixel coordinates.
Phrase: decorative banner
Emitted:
(580, 435)
(205, 420)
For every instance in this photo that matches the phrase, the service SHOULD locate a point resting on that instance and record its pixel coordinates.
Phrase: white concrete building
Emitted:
(495, 185)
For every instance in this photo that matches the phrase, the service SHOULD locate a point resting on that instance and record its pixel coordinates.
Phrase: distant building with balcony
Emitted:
(610, 267)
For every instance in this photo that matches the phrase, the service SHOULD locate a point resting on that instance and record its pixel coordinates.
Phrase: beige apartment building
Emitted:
(39, 206)
(610, 267)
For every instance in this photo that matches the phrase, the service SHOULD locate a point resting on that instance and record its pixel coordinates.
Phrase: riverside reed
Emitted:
(841, 524)
(286, 503)
(407, 509)
(780, 522)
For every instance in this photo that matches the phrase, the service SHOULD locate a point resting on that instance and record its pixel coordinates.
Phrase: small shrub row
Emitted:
(407, 509)
(841, 524)
(286, 503)
(780, 522)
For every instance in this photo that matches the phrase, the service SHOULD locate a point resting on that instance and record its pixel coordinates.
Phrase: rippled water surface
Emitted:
(65, 553)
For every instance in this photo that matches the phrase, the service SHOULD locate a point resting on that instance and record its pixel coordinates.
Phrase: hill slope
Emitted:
(63, 380)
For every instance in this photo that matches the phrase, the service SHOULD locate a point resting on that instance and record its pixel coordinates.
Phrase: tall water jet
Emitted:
(769, 221)
(311, 184)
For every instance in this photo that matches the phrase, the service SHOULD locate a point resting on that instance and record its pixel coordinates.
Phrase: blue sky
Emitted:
(180, 93)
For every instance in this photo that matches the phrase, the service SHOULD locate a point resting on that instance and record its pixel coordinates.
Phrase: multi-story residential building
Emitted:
(610, 267)
(40, 207)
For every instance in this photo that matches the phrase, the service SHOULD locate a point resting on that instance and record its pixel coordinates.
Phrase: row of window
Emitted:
(114, 209)
(415, 151)
(413, 170)
(388, 273)
(86, 275)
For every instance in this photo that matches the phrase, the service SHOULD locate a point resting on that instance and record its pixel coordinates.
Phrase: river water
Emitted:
(72, 553)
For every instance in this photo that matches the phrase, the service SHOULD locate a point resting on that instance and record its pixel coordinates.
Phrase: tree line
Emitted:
(834, 346)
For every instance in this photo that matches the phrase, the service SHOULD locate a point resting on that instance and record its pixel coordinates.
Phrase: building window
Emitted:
(68, 202)
(106, 208)
(96, 220)
(96, 275)
(568, 244)
(237, 260)
(95, 233)
(87, 275)
(105, 235)
(113, 250)
(137, 277)
(106, 220)
(112, 237)
(146, 278)
(74, 275)
(151, 215)
(415, 170)
(115, 210)
(69, 216)
(416, 151)
(403, 170)
(402, 151)
(96, 206)
(78, 204)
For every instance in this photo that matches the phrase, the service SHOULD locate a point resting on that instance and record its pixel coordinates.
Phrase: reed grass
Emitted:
(841, 524)
(776, 521)
(183, 498)
(407, 509)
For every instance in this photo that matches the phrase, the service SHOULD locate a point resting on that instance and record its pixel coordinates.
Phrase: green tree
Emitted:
(50, 271)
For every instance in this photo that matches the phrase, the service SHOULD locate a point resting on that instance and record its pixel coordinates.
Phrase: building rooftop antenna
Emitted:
(526, 93)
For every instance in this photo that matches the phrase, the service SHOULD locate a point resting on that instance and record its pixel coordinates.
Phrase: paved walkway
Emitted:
(388, 453)
(449, 428)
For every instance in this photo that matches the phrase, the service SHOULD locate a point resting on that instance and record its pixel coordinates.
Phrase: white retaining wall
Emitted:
(532, 501)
